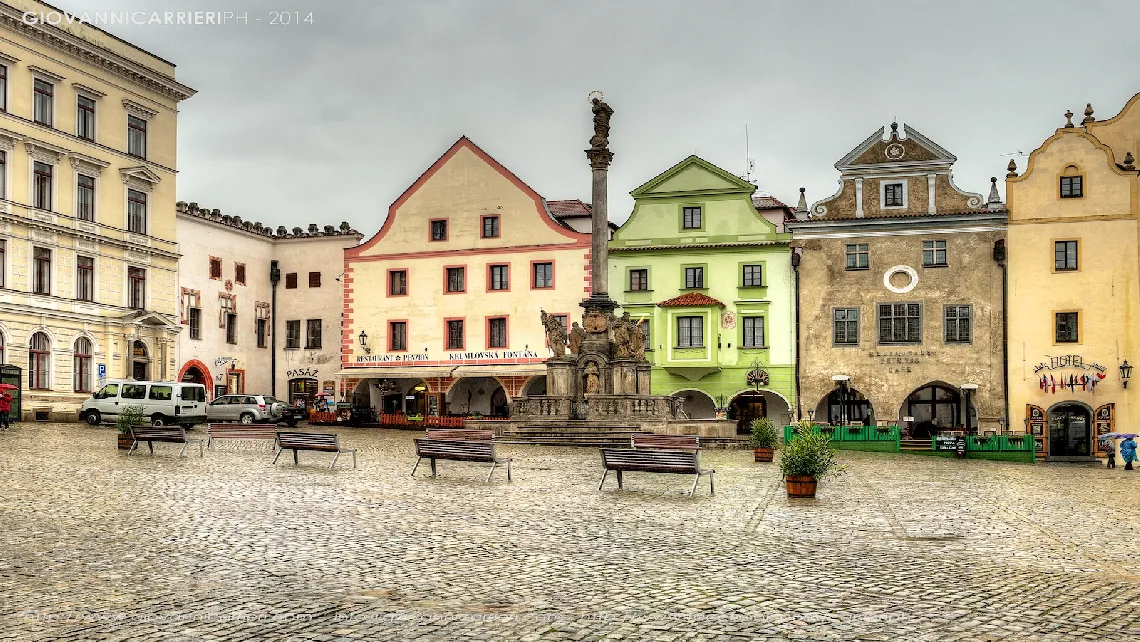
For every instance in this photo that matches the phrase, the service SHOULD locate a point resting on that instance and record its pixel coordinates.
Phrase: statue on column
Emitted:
(592, 379)
(555, 334)
(636, 340)
(602, 113)
(622, 337)
(577, 336)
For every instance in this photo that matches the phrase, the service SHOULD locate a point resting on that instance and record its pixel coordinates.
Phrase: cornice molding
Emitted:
(136, 109)
(50, 75)
(45, 152)
(139, 178)
(88, 164)
(8, 58)
(60, 40)
(9, 138)
(84, 89)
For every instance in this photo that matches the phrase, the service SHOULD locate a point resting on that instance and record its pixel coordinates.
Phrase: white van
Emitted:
(163, 402)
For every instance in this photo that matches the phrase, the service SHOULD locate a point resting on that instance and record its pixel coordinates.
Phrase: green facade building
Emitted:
(707, 271)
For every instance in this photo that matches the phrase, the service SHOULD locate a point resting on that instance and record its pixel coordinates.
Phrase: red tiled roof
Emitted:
(569, 209)
(690, 299)
(766, 202)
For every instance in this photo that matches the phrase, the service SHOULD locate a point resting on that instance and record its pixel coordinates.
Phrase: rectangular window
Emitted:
(691, 218)
(84, 278)
(398, 336)
(751, 276)
(3, 88)
(195, 323)
(41, 271)
(292, 334)
(490, 227)
(455, 280)
(239, 273)
(933, 253)
(439, 230)
(3, 263)
(231, 328)
(215, 268)
(290, 280)
(845, 329)
(638, 280)
(893, 195)
(397, 282)
(499, 277)
(1064, 255)
(957, 323)
(1071, 187)
(136, 278)
(85, 118)
(43, 92)
(136, 211)
(543, 275)
(644, 325)
(1067, 327)
(455, 335)
(41, 185)
(262, 333)
(85, 198)
(753, 332)
(3, 173)
(695, 277)
(313, 333)
(690, 332)
(858, 256)
(314, 279)
(136, 136)
(900, 323)
(497, 333)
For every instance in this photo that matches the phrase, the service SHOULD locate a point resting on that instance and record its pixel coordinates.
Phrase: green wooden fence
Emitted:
(1020, 448)
(856, 437)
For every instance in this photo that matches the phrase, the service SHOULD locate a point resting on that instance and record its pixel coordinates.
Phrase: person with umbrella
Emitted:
(1109, 445)
(1128, 451)
(5, 404)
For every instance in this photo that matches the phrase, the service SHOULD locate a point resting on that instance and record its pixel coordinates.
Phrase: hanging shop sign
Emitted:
(758, 377)
(221, 361)
(1074, 361)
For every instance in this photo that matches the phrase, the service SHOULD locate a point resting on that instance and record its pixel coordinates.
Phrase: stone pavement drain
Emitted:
(99, 546)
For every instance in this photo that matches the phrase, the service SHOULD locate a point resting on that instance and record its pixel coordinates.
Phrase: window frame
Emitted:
(506, 334)
(50, 101)
(291, 281)
(857, 321)
(215, 261)
(502, 271)
(1077, 330)
(313, 341)
(85, 211)
(644, 280)
(137, 222)
(758, 277)
(293, 334)
(136, 287)
(261, 327)
(84, 279)
(744, 323)
(691, 214)
(392, 324)
(3, 263)
(81, 366)
(231, 319)
(494, 220)
(447, 279)
(431, 230)
(39, 373)
(195, 324)
(1067, 191)
(1076, 255)
(534, 265)
(391, 272)
(133, 126)
(898, 199)
(42, 280)
(957, 319)
(85, 116)
(689, 334)
(934, 249)
(447, 335)
(862, 250)
(685, 277)
(43, 181)
(239, 273)
(879, 318)
(314, 279)
(4, 86)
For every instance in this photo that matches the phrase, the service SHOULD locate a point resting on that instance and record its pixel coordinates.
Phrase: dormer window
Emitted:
(894, 195)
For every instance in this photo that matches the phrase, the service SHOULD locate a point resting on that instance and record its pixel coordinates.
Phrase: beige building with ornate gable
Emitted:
(88, 258)
(900, 283)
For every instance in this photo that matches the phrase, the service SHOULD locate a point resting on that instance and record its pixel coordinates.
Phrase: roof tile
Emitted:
(690, 299)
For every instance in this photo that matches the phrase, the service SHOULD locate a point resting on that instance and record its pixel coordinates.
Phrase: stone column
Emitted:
(599, 213)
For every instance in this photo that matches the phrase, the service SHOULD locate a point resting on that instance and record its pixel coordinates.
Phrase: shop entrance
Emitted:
(302, 390)
(934, 408)
(140, 360)
(746, 407)
(1069, 431)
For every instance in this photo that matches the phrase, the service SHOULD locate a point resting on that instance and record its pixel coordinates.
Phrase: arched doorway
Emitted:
(477, 396)
(745, 408)
(1070, 430)
(499, 405)
(140, 361)
(194, 374)
(535, 386)
(934, 407)
(838, 408)
(697, 404)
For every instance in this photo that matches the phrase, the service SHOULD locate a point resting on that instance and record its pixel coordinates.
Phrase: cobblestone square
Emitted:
(100, 546)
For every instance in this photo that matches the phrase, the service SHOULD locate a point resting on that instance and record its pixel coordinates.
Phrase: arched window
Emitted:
(81, 366)
(2, 359)
(39, 362)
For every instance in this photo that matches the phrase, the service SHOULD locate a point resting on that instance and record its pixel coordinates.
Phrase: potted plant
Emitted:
(129, 416)
(806, 459)
(882, 428)
(764, 438)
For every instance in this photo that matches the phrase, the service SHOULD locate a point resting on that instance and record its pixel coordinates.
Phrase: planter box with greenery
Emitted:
(129, 416)
(763, 439)
(807, 458)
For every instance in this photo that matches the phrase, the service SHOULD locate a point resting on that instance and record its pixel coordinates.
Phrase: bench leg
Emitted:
(605, 472)
(182, 453)
(432, 462)
(712, 489)
(296, 462)
(354, 460)
(508, 470)
(277, 455)
(210, 443)
(150, 444)
(201, 453)
(693, 490)
(134, 444)
(490, 473)
(418, 460)
(335, 457)
(619, 480)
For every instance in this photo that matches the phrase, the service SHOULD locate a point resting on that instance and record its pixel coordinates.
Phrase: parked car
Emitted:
(163, 402)
(294, 415)
(247, 409)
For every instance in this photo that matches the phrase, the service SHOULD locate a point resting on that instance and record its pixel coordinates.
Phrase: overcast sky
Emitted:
(332, 120)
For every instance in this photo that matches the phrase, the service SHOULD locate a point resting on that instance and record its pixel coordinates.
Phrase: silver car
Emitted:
(247, 409)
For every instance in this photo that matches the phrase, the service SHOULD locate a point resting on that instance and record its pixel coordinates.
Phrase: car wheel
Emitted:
(246, 418)
(158, 420)
(92, 418)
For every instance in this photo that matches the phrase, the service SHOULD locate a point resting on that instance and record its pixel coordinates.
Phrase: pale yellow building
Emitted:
(88, 258)
(1074, 284)
(442, 306)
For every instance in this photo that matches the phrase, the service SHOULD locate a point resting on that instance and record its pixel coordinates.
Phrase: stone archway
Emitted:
(697, 403)
(534, 386)
(478, 396)
(747, 405)
(935, 406)
(837, 407)
(1070, 430)
(194, 371)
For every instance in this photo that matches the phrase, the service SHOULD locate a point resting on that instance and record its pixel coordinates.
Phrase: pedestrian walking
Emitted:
(1128, 452)
(1111, 449)
(5, 408)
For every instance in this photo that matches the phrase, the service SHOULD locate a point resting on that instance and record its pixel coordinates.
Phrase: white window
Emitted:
(892, 194)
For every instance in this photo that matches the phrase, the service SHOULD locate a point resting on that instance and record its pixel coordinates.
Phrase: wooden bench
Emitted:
(460, 445)
(677, 455)
(241, 431)
(324, 442)
(167, 434)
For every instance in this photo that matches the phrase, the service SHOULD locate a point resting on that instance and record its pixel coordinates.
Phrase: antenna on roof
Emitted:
(749, 162)
(1017, 153)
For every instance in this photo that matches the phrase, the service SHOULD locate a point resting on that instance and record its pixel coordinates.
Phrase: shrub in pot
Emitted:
(128, 416)
(764, 438)
(806, 459)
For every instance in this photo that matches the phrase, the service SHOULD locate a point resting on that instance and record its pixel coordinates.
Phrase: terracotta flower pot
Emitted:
(800, 485)
(763, 454)
(125, 441)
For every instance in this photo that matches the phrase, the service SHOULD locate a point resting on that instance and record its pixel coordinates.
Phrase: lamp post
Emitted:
(363, 339)
(968, 390)
(1125, 373)
(843, 381)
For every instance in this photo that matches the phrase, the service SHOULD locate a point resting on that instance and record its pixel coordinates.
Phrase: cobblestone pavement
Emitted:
(98, 546)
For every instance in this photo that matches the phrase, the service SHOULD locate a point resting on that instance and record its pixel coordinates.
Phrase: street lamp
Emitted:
(363, 338)
(842, 381)
(969, 389)
(1125, 372)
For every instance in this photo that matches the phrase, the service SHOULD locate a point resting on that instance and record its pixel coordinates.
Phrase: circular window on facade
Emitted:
(900, 279)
